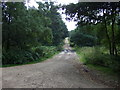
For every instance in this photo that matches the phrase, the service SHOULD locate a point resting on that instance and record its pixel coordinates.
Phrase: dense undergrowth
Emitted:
(18, 57)
(31, 35)
(98, 57)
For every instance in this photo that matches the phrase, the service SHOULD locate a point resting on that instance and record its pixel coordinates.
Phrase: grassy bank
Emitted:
(99, 59)
(35, 55)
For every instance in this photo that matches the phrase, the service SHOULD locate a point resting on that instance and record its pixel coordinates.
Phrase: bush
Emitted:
(59, 48)
(19, 56)
(16, 56)
(82, 39)
(39, 51)
(49, 51)
(95, 56)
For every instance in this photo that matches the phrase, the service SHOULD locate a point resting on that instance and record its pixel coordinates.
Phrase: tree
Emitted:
(82, 37)
(27, 31)
(58, 27)
(94, 13)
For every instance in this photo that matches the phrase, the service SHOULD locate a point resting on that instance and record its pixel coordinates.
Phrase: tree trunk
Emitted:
(114, 49)
(107, 35)
(116, 53)
(8, 39)
(8, 42)
(108, 38)
(113, 37)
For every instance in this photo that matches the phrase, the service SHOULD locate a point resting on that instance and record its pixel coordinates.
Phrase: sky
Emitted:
(70, 24)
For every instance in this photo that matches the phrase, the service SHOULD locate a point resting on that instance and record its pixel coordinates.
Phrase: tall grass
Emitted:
(98, 56)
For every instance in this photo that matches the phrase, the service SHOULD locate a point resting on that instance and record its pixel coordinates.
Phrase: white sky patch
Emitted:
(66, 2)
(70, 24)
(32, 2)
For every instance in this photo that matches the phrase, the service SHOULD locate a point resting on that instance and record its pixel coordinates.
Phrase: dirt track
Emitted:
(61, 71)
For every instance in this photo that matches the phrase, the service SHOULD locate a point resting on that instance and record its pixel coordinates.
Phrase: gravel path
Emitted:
(61, 71)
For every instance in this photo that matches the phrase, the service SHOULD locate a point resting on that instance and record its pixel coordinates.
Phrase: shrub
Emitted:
(15, 56)
(19, 56)
(95, 56)
(39, 51)
(59, 48)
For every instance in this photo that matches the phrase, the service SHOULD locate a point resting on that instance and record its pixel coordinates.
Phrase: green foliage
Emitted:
(105, 14)
(81, 37)
(98, 24)
(20, 57)
(72, 44)
(59, 47)
(106, 70)
(58, 27)
(26, 56)
(30, 34)
(98, 56)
